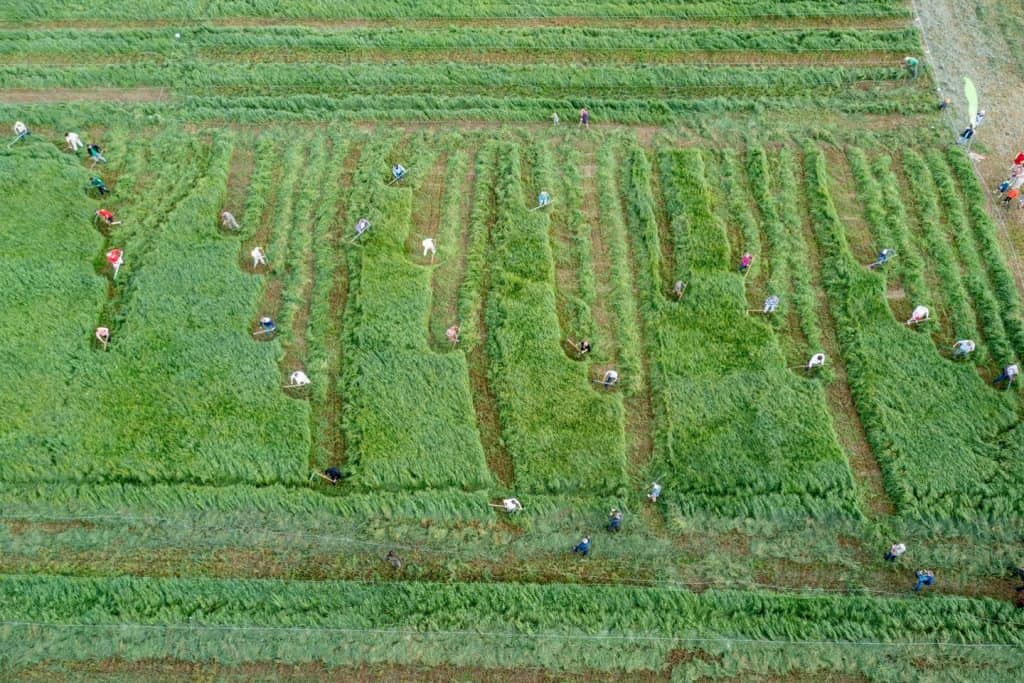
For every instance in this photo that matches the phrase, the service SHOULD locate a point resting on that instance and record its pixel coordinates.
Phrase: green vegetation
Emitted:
(162, 513)
(393, 438)
(932, 424)
(722, 392)
(546, 401)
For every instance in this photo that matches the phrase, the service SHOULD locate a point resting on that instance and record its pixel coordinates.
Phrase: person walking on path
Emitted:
(894, 552)
(583, 547)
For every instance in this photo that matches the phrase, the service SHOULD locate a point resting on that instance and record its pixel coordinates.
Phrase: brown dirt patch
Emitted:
(56, 95)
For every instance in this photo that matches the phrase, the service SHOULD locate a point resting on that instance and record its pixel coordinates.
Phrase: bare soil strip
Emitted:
(56, 95)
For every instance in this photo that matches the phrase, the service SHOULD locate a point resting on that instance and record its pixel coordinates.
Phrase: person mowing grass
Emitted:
(883, 258)
(74, 142)
(615, 520)
(97, 184)
(583, 547)
(1008, 374)
(227, 221)
(895, 551)
(962, 348)
(925, 577)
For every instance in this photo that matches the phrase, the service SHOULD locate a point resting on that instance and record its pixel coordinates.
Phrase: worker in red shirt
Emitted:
(115, 257)
(107, 217)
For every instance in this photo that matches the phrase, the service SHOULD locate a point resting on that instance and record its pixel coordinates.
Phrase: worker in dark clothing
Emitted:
(583, 547)
(615, 520)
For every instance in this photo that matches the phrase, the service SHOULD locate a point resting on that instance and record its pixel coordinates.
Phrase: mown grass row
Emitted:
(739, 211)
(553, 626)
(409, 421)
(879, 193)
(1003, 285)
(775, 230)
(804, 291)
(25, 10)
(576, 298)
(621, 302)
(427, 107)
(961, 317)
(975, 277)
(561, 434)
(198, 77)
(295, 262)
(321, 330)
(267, 157)
(450, 231)
(209, 40)
(725, 440)
(932, 424)
(481, 216)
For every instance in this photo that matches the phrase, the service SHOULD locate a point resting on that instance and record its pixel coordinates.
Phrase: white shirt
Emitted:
(428, 245)
(816, 360)
(19, 128)
(73, 140)
(611, 376)
(897, 549)
(299, 378)
(920, 313)
(511, 505)
(1012, 370)
(257, 253)
(965, 345)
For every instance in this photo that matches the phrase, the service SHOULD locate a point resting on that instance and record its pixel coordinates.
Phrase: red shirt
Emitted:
(105, 215)
(113, 256)
(1019, 159)
(1012, 194)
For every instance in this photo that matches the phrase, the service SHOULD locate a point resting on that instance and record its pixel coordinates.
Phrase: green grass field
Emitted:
(162, 517)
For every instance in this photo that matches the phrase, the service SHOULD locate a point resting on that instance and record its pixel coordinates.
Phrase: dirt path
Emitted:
(964, 38)
(50, 95)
